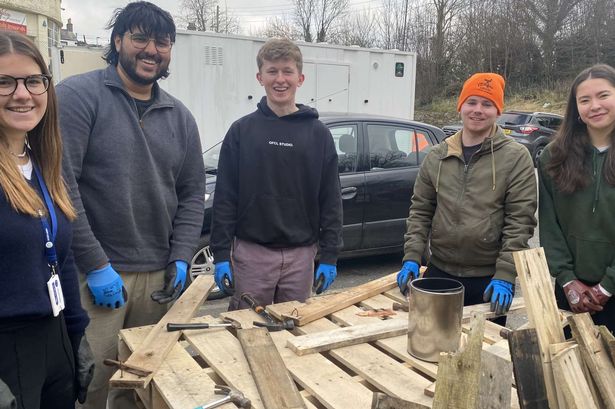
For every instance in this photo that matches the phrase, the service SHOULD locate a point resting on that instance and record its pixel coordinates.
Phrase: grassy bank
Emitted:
(443, 111)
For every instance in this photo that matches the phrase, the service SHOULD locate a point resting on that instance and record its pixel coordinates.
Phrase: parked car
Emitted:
(534, 130)
(379, 159)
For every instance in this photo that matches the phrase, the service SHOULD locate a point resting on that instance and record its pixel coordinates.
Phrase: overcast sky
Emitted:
(90, 16)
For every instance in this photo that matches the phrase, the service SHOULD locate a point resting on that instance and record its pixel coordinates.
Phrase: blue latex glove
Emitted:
(324, 277)
(409, 271)
(174, 282)
(500, 293)
(224, 277)
(107, 287)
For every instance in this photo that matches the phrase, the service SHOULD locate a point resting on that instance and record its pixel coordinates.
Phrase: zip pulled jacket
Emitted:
(577, 230)
(278, 184)
(478, 212)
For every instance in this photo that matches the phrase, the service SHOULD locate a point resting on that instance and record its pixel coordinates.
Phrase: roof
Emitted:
(349, 116)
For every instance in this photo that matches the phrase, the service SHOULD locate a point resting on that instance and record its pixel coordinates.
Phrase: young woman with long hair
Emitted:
(577, 193)
(44, 360)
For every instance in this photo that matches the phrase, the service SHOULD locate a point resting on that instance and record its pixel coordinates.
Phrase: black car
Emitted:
(534, 130)
(379, 159)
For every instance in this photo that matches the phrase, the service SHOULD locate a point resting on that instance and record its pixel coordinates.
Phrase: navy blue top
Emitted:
(24, 271)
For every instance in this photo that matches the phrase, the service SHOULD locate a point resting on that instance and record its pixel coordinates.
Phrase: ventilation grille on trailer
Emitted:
(213, 55)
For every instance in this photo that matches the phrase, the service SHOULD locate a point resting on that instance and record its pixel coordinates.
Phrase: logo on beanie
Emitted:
(485, 85)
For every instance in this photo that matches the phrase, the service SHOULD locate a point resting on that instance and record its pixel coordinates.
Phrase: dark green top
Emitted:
(577, 230)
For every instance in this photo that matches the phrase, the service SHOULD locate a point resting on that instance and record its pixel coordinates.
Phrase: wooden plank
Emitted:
(385, 373)
(567, 366)
(222, 351)
(608, 340)
(158, 343)
(312, 311)
(492, 332)
(180, 382)
(276, 388)
(595, 356)
(533, 273)
(383, 401)
(528, 369)
(518, 303)
(342, 337)
(459, 372)
(324, 380)
(495, 382)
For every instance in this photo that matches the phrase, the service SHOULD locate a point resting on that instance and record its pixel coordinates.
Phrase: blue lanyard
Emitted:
(50, 234)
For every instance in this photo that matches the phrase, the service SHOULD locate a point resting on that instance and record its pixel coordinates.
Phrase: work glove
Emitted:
(500, 293)
(174, 282)
(324, 276)
(224, 277)
(107, 287)
(577, 294)
(598, 295)
(84, 367)
(409, 271)
(7, 399)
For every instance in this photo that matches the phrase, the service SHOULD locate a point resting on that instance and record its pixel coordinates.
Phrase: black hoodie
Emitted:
(278, 184)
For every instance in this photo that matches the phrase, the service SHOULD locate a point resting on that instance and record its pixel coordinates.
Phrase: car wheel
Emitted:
(203, 263)
(537, 152)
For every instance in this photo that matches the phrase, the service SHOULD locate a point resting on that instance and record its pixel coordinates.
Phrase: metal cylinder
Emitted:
(434, 317)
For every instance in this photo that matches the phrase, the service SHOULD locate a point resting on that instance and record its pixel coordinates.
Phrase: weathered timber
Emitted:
(568, 373)
(275, 386)
(154, 349)
(459, 372)
(535, 280)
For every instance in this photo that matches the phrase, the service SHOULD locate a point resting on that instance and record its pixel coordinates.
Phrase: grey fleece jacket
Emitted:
(137, 184)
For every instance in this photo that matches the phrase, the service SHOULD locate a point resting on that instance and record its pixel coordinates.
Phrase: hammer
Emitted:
(272, 324)
(232, 395)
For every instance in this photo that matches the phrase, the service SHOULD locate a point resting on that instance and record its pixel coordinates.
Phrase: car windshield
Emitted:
(513, 119)
(211, 157)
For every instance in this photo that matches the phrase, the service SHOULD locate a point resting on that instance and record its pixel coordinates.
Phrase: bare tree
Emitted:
(327, 14)
(282, 27)
(546, 18)
(316, 18)
(205, 15)
(358, 29)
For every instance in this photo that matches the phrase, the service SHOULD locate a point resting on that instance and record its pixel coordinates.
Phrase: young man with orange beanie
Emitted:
(476, 195)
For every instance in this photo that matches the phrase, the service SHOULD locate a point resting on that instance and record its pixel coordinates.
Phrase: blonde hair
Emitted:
(45, 143)
(279, 49)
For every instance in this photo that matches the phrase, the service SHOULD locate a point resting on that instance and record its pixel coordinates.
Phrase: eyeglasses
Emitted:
(141, 41)
(35, 84)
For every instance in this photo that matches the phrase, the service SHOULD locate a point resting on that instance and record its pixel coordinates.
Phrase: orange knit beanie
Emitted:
(484, 84)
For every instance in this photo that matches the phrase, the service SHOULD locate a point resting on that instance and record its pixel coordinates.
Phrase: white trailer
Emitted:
(214, 75)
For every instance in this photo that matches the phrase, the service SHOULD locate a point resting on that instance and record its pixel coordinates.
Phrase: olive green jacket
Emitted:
(477, 213)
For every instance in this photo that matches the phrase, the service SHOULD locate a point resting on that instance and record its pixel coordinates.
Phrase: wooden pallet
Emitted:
(343, 378)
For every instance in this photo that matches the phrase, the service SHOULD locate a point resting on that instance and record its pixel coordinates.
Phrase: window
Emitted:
(345, 139)
(393, 147)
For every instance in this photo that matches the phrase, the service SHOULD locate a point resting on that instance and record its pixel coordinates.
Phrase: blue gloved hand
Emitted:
(324, 277)
(107, 287)
(409, 271)
(224, 277)
(500, 293)
(174, 282)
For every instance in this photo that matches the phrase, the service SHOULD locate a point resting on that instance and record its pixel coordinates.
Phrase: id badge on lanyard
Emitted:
(54, 287)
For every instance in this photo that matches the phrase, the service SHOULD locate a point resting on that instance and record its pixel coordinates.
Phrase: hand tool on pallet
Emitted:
(232, 396)
(271, 323)
(229, 322)
(123, 366)
(400, 307)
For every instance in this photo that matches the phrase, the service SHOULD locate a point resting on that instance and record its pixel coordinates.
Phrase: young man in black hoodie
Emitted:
(277, 193)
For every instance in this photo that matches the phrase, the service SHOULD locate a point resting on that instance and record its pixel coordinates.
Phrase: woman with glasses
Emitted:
(44, 359)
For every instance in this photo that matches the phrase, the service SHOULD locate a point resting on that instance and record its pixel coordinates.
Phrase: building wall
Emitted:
(78, 60)
(43, 20)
